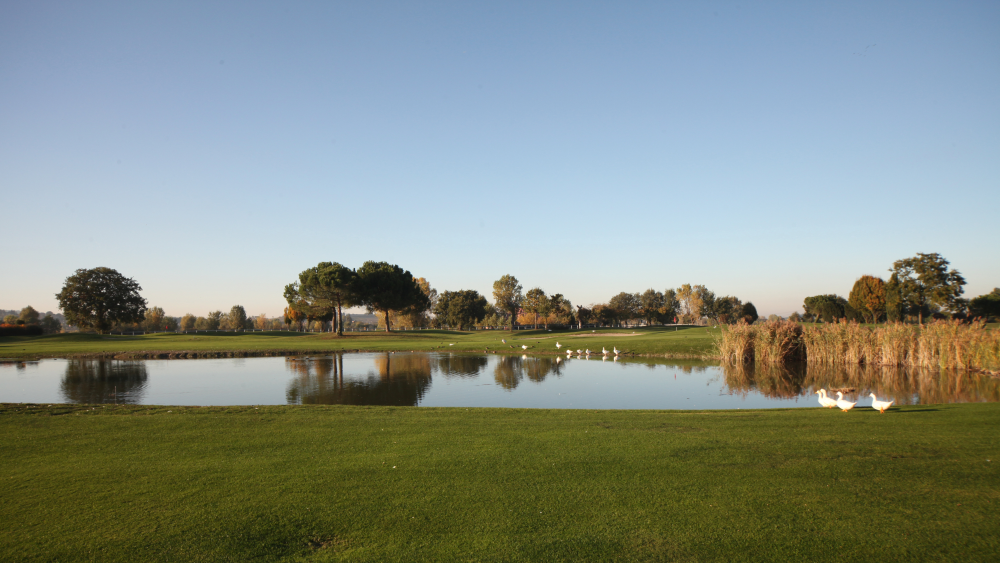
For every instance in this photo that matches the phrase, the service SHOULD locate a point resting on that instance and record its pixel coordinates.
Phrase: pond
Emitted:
(461, 380)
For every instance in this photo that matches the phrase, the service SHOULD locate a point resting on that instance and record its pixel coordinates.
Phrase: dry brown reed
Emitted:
(939, 344)
(763, 343)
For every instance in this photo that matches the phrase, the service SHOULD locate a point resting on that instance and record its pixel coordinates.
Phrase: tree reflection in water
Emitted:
(510, 370)
(905, 385)
(104, 381)
(398, 380)
(459, 366)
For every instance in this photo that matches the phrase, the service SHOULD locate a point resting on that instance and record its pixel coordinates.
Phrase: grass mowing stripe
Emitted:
(341, 483)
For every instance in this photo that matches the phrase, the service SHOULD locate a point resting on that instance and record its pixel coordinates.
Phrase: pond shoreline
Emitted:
(210, 354)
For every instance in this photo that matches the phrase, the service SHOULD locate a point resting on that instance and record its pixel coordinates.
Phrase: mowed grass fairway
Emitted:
(340, 483)
(682, 342)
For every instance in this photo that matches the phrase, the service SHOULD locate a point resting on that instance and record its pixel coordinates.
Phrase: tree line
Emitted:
(919, 287)
(30, 322)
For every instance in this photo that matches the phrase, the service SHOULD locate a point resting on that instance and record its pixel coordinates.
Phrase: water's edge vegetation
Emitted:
(950, 345)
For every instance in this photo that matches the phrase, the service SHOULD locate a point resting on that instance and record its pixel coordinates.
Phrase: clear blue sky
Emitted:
(213, 150)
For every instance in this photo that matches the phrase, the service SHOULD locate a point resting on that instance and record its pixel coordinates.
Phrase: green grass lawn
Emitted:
(339, 483)
(690, 342)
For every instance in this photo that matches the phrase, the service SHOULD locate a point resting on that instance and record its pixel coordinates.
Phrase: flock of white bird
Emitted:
(587, 352)
(846, 405)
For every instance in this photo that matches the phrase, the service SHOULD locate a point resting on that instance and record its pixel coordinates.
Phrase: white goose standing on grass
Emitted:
(844, 404)
(824, 400)
(558, 345)
(524, 346)
(882, 406)
(604, 350)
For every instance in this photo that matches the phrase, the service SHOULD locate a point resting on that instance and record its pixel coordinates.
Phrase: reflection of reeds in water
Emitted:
(775, 381)
(906, 385)
(940, 344)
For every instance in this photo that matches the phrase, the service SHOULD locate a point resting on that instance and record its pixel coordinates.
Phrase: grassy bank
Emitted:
(402, 484)
(684, 342)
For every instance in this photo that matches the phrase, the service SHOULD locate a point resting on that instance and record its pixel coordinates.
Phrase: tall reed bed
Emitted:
(940, 344)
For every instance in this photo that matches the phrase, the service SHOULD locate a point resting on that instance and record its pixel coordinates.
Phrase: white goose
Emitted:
(569, 352)
(604, 350)
(558, 345)
(824, 400)
(588, 351)
(524, 346)
(882, 406)
(617, 351)
(844, 404)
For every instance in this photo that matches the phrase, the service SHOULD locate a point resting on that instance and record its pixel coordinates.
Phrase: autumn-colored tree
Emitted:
(154, 319)
(188, 321)
(535, 303)
(868, 298)
(691, 302)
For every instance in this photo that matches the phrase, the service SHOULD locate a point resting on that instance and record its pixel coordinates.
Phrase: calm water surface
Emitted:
(457, 380)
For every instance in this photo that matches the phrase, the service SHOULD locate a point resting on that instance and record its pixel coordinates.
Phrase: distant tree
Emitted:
(154, 319)
(10, 320)
(584, 315)
(604, 314)
(237, 317)
(749, 313)
(795, 316)
(385, 287)
(100, 298)
(827, 308)
(726, 310)
(416, 318)
(651, 304)
(560, 310)
(690, 299)
(625, 307)
(507, 296)
(894, 307)
(707, 298)
(772, 317)
(188, 321)
(535, 303)
(214, 319)
(867, 297)
(671, 306)
(461, 308)
(50, 324)
(926, 281)
(294, 316)
(986, 306)
(29, 315)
